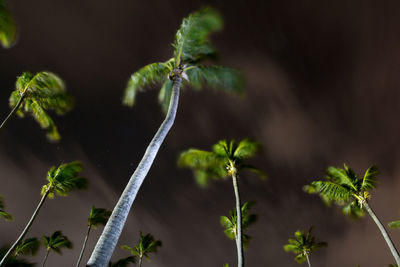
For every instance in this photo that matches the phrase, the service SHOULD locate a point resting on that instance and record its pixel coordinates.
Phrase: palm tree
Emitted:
(147, 244)
(55, 242)
(61, 181)
(3, 214)
(7, 26)
(34, 94)
(303, 245)
(230, 223)
(29, 246)
(12, 261)
(96, 217)
(223, 161)
(191, 47)
(345, 188)
(122, 262)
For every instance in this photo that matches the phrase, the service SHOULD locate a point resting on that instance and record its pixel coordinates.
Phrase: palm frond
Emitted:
(3, 214)
(246, 149)
(342, 177)
(198, 159)
(216, 77)
(191, 40)
(56, 242)
(98, 216)
(221, 149)
(147, 244)
(394, 224)
(369, 181)
(260, 173)
(29, 246)
(151, 74)
(331, 190)
(353, 210)
(7, 26)
(12, 261)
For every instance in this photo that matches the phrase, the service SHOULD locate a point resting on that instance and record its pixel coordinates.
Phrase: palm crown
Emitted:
(56, 242)
(191, 47)
(7, 26)
(29, 246)
(345, 188)
(98, 216)
(5, 215)
(303, 245)
(35, 94)
(219, 163)
(147, 244)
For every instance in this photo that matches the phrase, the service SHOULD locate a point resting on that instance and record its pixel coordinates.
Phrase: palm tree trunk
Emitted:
(109, 238)
(45, 257)
(308, 260)
(13, 110)
(140, 261)
(22, 235)
(239, 243)
(84, 245)
(385, 234)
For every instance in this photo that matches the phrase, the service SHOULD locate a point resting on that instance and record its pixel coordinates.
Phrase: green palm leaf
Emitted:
(394, 224)
(39, 93)
(98, 216)
(147, 244)
(29, 246)
(191, 40)
(7, 26)
(353, 210)
(246, 149)
(332, 190)
(12, 261)
(56, 242)
(341, 176)
(369, 181)
(5, 215)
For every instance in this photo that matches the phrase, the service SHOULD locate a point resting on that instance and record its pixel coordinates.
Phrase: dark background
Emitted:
(322, 88)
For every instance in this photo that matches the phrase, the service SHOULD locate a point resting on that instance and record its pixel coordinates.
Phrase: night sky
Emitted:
(322, 88)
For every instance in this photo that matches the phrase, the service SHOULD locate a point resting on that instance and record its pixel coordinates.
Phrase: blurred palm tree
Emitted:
(147, 244)
(55, 243)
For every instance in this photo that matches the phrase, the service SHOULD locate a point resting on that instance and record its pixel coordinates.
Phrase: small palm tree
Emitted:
(147, 244)
(230, 223)
(345, 188)
(223, 161)
(29, 246)
(7, 26)
(122, 262)
(3, 214)
(12, 261)
(96, 217)
(35, 94)
(191, 47)
(55, 242)
(61, 180)
(303, 245)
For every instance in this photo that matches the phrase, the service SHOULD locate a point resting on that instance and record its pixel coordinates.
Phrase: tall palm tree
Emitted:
(7, 26)
(303, 245)
(223, 161)
(37, 93)
(29, 246)
(3, 214)
(55, 243)
(147, 244)
(191, 47)
(345, 188)
(96, 217)
(61, 180)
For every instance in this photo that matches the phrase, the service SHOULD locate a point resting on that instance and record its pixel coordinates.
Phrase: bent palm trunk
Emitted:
(13, 110)
(308, 260)
(109, 238)
(84, 246)
(385, 234)
(239, 243)
(22, 235)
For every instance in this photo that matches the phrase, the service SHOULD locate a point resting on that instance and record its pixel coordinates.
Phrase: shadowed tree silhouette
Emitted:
(96, 217)
(55, 243)
(7, 26)
(345, 188)
(3, 214)
(35, 94)
(146, 245)
(29, 246)
(191, 47)
(223, 161)
(61, 181)
(230, 223)
(12, 261)
(303, 245)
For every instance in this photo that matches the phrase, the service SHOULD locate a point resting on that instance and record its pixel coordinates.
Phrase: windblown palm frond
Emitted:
(191, 40)
(369, 182)
(29, 246)
(98, 216)
(12, 261)
(230, 223)
(353, 210)
(56, 242)
(303, 245)
(3, 214)
(147, 244)
(64, 179)
(35, 94)
(123, 262)
(7, 26)
(394, 224)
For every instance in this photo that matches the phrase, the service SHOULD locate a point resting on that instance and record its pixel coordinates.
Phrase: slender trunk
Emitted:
(22, 235)
(140, 261)
(84, 245)
(239, 243)
(45, 257)
(13, 110)
(385, 234)
(109, 238)
(308, 260)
